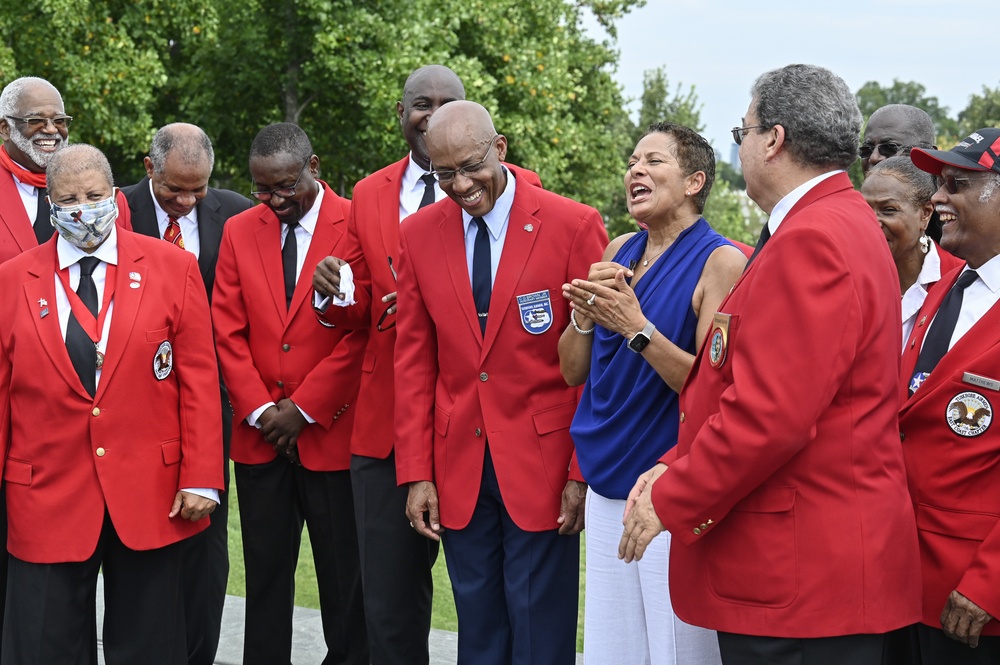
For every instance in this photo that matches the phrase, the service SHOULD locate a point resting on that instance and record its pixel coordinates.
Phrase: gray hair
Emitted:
(917, 121)
(77, 158)
(989, 187)
(190, 142)
(920, 184)
(818, 111)
(281, 138)
(11, 93)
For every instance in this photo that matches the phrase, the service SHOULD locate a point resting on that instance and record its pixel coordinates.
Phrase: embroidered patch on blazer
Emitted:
(536, 311)
(718, 341)
(163, 361)
(969, 414)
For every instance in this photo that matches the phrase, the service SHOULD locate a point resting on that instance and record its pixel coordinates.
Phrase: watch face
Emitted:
(638, 343)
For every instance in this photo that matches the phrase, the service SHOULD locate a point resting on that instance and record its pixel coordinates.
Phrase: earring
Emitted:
(925, 244)
(687, 193)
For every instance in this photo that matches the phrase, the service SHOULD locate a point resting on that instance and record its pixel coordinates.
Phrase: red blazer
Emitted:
(454, 389)
(268, 353)
(786, 493)
(954, 468)
(372, 238)
(16, 232)
(131, 447)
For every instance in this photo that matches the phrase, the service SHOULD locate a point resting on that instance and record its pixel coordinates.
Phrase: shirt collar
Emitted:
(163, 215)
(412, 174)
(69, 254)
(930, 271)
(309, 220)
(989, 272)
(784, 206)
(498, 216)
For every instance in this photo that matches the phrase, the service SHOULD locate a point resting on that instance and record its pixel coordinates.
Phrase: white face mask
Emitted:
(86, 225)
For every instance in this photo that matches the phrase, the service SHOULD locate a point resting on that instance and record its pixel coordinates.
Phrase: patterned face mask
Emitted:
(86, 225)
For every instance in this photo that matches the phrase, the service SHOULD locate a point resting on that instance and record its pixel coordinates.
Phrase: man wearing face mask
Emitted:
(111, 454)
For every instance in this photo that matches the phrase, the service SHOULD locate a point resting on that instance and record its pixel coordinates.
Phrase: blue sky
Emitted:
(721, 46)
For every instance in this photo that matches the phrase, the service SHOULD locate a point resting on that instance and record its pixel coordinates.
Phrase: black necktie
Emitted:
(428, 197)
(289, 257)
(82, 350)
(482, 272)
(765, 235)
(939, 336)
(43, 227)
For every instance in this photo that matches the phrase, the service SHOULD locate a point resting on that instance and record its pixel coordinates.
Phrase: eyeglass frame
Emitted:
(278, 192)
(740, 133)
(59, 122)
(898, 148)
(385, 314)
(949, 182)
(467, 171)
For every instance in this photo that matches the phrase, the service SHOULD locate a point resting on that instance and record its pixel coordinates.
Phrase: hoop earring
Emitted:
(925, 244)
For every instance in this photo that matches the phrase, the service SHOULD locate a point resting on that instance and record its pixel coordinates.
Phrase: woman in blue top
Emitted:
(638, 320)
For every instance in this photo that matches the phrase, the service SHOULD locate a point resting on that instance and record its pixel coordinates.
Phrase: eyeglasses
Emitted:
(740, 132)
(35, 123)
(392, 324)
(467, 171)
(887, 149)
(951, 183)
(283, 192)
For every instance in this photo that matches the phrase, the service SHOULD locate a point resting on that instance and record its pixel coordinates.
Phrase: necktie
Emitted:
(289, 257)
(43, 227)
(939, 336)
(765, 235)
(482, 272)
(173, 232)
(82, 350)
(428, 197)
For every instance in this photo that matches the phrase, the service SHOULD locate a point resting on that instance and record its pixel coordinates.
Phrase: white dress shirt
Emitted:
(29, 197)
(189, 225)
(913, 299)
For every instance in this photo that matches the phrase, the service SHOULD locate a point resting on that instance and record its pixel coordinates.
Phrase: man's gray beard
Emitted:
(39, 157)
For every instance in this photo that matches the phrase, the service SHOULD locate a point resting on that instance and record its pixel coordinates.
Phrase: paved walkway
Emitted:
(307, 639)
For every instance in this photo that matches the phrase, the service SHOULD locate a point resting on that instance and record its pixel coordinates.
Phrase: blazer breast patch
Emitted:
(969, 414)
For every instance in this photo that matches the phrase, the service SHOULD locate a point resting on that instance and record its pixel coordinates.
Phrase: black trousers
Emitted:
(275, 500)
(396, 566)
(205, 560)
(50, 608)
(936, 648)
(842, 650)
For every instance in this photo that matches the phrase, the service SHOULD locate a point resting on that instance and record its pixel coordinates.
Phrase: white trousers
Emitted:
(628, 617)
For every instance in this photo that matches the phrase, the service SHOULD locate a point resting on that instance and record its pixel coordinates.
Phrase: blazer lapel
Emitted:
(126, 306)
(329, 230)
(40, 295)
(516, 250)
(13, 214)
(388, 209)
(140, 201)
(454, 259)
(269, 246)
(210, 223)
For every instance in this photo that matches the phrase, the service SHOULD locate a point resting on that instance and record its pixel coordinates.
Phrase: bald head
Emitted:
(897, 125)
(188, 143)
(426, 90)
(73, 160)
(466, 153)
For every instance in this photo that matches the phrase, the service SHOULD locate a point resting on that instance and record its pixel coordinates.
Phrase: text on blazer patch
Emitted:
(536, 311)
(718, 341)
(969, 414)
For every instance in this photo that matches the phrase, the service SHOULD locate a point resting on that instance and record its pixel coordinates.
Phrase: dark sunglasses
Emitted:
(887, 149)
(951, 183)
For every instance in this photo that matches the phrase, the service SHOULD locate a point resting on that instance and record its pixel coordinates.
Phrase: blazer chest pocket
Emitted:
(171, 451)
(158, 335)
(754, 558)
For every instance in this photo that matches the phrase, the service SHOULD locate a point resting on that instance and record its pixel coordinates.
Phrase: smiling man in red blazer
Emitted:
(482, 411)
(293, 385)
(785, 497)
(951, 446)
(112, 453)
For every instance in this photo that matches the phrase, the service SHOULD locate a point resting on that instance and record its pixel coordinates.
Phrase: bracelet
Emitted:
(578, 329)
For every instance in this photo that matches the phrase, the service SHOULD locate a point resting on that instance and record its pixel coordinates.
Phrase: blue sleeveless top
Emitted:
(627, 417)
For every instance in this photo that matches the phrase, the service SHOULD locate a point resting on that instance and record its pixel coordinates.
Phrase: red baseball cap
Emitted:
(976, 152)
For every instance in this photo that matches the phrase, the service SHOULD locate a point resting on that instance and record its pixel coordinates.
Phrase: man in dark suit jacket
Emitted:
(175, 191)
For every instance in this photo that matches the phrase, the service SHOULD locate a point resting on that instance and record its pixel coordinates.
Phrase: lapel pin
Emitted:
(42, 302)
(42, 314)
(135, 277)
(923, 319)
(133, 285)
(529, 228)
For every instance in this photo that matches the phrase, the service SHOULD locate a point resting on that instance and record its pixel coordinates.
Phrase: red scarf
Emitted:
(18, 171)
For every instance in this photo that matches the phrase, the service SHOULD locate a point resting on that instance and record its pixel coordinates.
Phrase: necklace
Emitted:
(647, 258)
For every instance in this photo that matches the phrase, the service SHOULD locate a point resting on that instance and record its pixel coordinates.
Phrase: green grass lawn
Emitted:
(305, 576)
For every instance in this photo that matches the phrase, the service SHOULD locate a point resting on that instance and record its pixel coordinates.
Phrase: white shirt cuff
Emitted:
(205, 492)
(252, 418)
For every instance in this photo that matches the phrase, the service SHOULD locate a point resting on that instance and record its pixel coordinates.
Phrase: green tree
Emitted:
(872, 96)
(658, 105)
(983, 111)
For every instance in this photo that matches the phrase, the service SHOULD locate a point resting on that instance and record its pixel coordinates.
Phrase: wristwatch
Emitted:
(641, 339)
